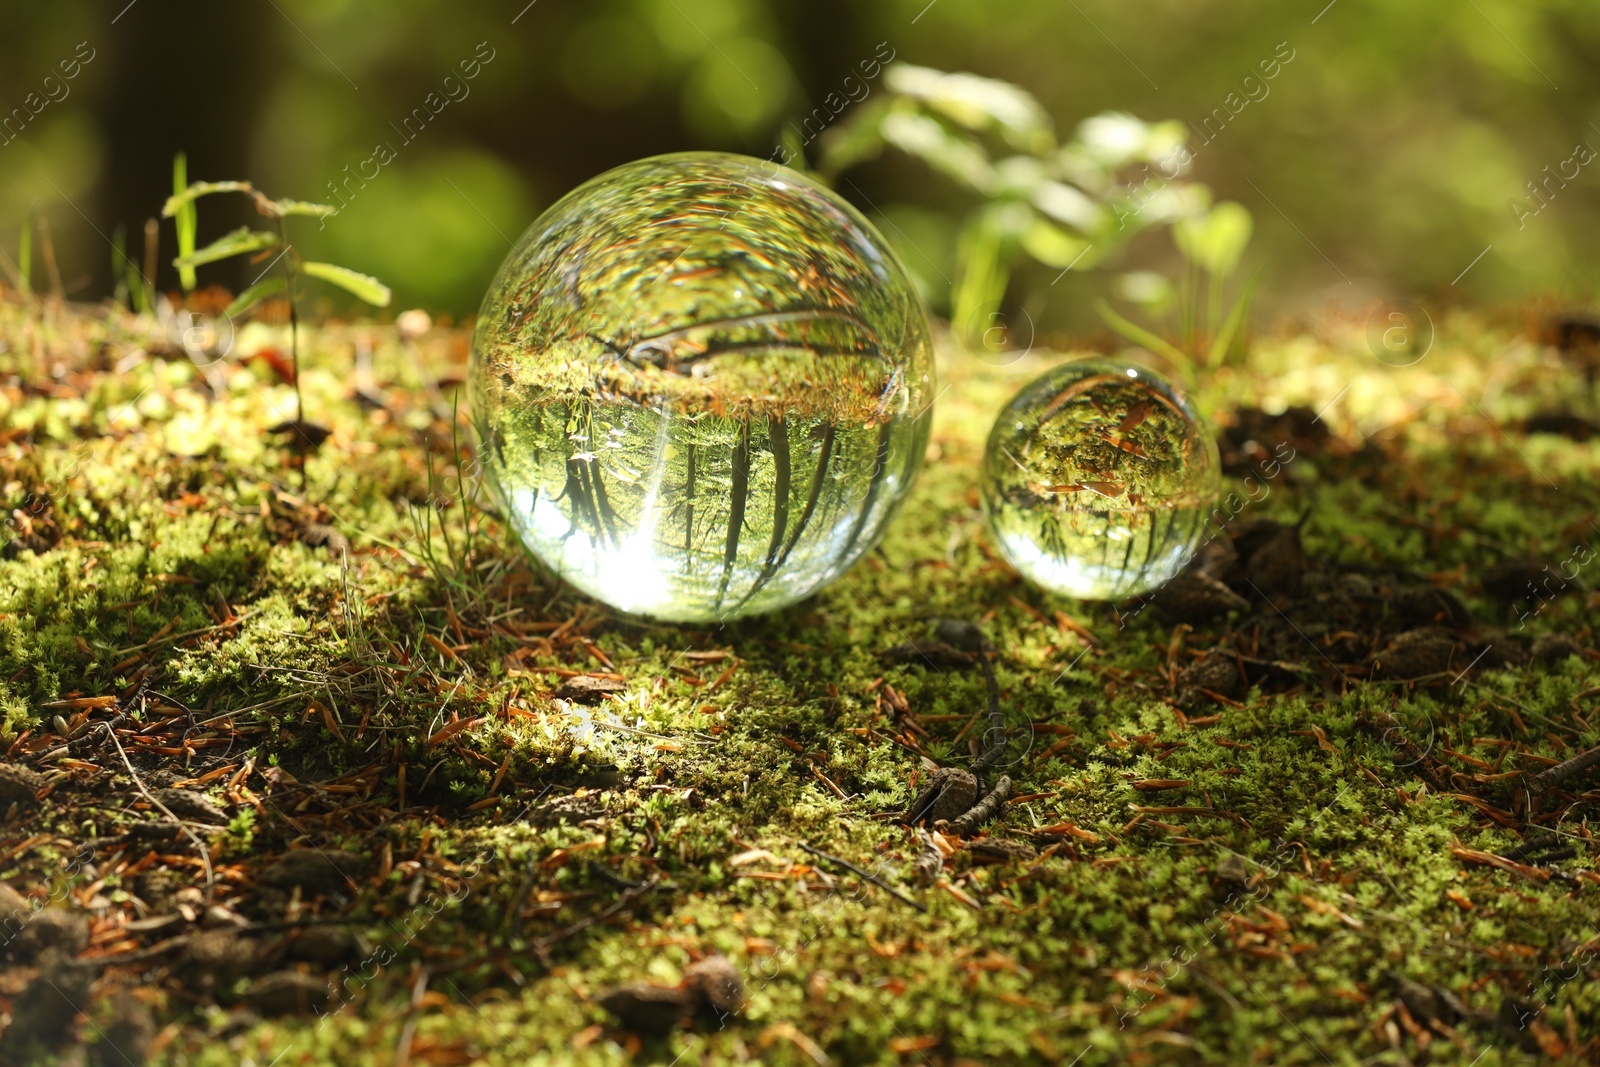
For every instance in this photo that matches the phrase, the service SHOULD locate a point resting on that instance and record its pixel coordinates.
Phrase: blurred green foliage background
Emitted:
(1392, 149)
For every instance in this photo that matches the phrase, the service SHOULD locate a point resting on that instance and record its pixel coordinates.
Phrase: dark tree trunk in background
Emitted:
(182, 75)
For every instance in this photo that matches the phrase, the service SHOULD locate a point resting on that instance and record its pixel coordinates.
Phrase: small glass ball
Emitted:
(700, 385)
(1098, 478)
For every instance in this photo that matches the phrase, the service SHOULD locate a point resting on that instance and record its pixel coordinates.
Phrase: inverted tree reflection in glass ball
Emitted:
(1097, 480)
(700, 385)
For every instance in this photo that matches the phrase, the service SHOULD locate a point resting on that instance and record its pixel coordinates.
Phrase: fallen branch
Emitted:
(874, 879)
(1562, 771)
(983, 810)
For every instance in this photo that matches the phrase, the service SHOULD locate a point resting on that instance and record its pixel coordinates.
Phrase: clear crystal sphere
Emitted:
(1098, 478)
(700, 385)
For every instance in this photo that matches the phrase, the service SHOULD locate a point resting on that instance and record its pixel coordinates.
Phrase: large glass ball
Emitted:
(701, 386)
(1098, 479)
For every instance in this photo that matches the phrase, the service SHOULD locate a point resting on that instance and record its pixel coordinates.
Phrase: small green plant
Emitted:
(1212, 242)
(458, 572)
(132, 288)
(186, 220)
(1067, 206)
(241, 828)
(120, 294)
(245, 241)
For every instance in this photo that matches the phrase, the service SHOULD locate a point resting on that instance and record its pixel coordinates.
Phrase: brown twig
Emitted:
(169, 638)
(540, 947)
(513, 917)
(1562, 771)
(581, 925)
(205, 855)
(825, 780)
(874, 879)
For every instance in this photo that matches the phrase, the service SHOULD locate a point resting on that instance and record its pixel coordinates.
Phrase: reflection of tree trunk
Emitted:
(688, 507)
(1050, 521)
(1150, 548)
(817, 480)
(583, 510)
(608, 517)
(573, 490)
(586, 488)
(740, 491)
(778, 443)
(1127, 553)
(880, 464)
(599, 506)
(1157, 551)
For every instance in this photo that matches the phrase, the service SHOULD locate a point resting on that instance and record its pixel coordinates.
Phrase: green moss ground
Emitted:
(171, 568)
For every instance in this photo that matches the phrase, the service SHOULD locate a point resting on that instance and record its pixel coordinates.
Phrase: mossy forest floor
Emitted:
(365, 676)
